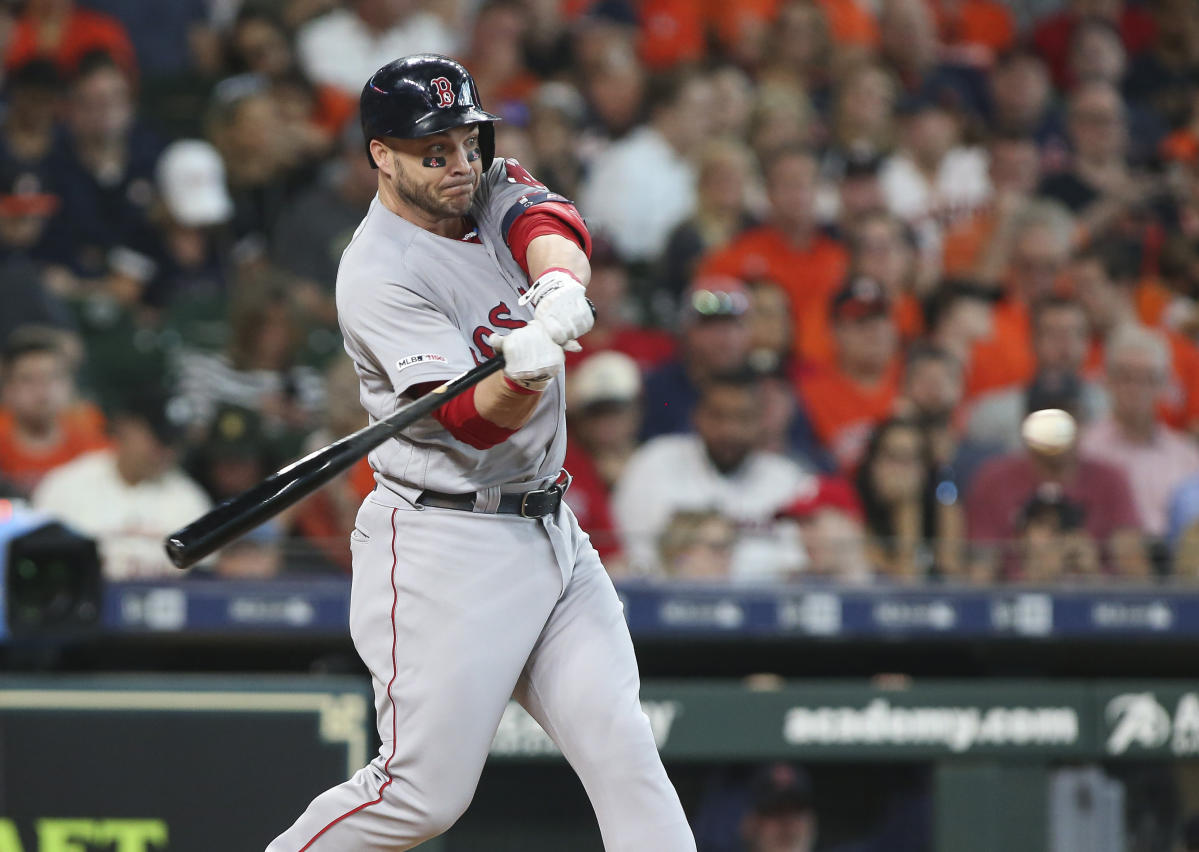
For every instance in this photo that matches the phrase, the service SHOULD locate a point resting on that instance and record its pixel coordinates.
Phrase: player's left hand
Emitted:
(560, 303)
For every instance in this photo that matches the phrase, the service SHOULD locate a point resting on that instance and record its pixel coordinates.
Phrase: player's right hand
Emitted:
(531, 357)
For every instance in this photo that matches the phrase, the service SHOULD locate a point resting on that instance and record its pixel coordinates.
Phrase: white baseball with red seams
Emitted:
(452, 611)
(1050, 431)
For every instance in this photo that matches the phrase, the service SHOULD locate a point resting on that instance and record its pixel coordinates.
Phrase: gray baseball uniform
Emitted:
(454, 612)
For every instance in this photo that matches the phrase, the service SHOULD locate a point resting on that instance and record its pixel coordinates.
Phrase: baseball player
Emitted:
(473, 582)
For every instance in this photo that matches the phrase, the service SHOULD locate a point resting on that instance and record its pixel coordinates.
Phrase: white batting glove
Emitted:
(560, 301)
(531, 357)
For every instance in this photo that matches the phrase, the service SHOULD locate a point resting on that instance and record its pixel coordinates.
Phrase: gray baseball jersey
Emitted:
(416, 307)
(457, 612)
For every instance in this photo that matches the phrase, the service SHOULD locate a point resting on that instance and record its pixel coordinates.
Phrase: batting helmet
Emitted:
(421, 95)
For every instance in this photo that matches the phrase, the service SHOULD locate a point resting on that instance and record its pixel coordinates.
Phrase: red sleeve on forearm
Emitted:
(462, 420)
(550, 217)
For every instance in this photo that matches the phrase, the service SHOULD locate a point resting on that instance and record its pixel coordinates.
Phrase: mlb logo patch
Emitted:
(419, 359)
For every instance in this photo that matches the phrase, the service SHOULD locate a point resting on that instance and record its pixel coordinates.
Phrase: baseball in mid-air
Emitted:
(1050, 431)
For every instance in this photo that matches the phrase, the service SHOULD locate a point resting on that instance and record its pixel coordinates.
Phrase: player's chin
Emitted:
(458, 201)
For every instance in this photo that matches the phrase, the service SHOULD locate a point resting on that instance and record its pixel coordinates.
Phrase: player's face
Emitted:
(436, 176)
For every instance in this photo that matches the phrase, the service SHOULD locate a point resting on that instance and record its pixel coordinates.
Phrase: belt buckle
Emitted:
(524, 502)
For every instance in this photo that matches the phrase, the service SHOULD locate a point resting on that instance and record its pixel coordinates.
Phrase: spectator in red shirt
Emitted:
(58, 30)
(603, 416)
(845, 400)
(42, 425)
(791, 250)
(1001, 490)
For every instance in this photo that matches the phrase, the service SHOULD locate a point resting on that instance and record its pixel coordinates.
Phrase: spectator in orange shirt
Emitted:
(845, 400)
(1033, 255)
(959, 315)
(41, 424)
(884, 249)
(791, 250)
(979, 29)
(56, 29)
(1104, 276)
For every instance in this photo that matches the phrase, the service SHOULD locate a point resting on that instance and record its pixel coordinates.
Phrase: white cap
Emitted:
(191, 178)
(604, 377)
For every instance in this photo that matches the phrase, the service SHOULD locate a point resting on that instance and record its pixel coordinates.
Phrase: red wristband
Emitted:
(521, 389)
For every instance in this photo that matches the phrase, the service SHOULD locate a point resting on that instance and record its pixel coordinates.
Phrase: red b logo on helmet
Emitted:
(443, 90)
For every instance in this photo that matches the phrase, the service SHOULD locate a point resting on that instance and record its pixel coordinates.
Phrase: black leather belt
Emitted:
(531, 504)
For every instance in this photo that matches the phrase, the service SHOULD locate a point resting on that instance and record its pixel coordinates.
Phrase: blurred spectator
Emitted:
(726, 175)
(167, 37)
(1060, 337)
(884, 250)
(1031, 257)
(42, 424)
(1162, 77)
(1099, 186)
(105, 179)
(933, 180)
(932, 396)
(970, 248)
(732, 106)
(895, 483)
(1104, 276)
(781, 817)
(697, 546)
(797, 49)
(496, 59)
(314, 230)
(1053, 33)
(859, 192)
(1154, 457)
(326, 519)
(244, 122)
(347, 45)
(191, 281)
(1004, 485)
(791, 250)
(259, 369)
(258, 43)
(26, 206)
(614, 329)
(862, 120)
(714, 338)
(255, 556)
(845, 400)
(829, 518)
(65, 33)
(555, 116)
(603, 416)
(715, 468)
(1054, 543)
(613, 83)
(234, 456)
(977, 29)
(782, 117)
(1021, 96)
(643, 185)
(131, 497)
(29, 129)
(909, 43)
(957, 316)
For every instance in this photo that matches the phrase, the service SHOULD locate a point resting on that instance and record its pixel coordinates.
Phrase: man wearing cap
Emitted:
(846, 400)
(717, 467)
(716, 339)
(781, 818)
(130, 497)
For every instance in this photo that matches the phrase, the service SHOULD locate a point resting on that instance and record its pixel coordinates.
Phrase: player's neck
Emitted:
(454, 227)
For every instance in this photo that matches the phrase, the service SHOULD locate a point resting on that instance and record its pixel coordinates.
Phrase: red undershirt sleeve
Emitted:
(550, 217)
(462, 419)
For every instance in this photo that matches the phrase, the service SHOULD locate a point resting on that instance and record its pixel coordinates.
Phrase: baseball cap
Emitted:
(606, 377)
(24, 193)
(36, 74)
(860, 298)
(831, 492)
(714, 296)
(236, 433)
(191, 178)
(780, 788)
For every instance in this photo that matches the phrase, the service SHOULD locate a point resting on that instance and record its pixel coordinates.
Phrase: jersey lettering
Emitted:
(443, 90)
(500, 317)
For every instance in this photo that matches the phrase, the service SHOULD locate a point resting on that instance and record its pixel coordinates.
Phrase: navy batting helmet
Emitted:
(421, 95)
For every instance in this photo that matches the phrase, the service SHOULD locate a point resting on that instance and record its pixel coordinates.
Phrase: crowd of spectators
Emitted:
(842, 248)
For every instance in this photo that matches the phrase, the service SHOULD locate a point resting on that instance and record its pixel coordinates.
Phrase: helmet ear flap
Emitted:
(487, 143)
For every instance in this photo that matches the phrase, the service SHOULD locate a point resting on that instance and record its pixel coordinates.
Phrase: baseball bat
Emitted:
(240, 514)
